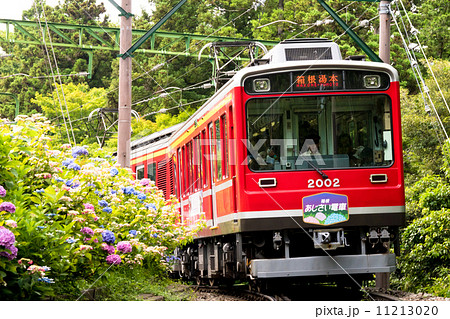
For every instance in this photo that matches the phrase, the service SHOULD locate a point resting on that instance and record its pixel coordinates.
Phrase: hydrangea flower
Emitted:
(7, 207)
(108, 237)
(128, 190)
(144, 181)
(103, 203)
(13, 252)
(11, 223)
(113, 259)
(110, 249)
(148, 206)
(87, 231)
(67, 162)
(74, 166)
(107, 210)
(40, 191)
(7, 238)
(78, 151)
(2, 191)
(132, 232)
(114, 171)
(124, 247)
(335, 218)
(89, 206)
(47, 280)
(141, 196)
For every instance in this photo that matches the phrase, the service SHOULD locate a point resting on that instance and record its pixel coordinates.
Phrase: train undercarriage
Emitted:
(296, 255)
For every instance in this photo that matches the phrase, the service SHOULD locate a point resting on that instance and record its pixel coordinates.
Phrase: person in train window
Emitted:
(271, 157)
(311, 145)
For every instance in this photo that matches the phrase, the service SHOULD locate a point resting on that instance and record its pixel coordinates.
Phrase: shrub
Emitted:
(76, 215)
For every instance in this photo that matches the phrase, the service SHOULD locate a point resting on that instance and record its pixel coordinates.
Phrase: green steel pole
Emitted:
(372, 55)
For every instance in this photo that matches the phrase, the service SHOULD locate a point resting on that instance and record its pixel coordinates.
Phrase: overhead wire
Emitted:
(414, 32)
(53, 74)
(414, 65)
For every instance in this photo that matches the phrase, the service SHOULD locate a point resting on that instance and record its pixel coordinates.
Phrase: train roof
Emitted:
(155, 140)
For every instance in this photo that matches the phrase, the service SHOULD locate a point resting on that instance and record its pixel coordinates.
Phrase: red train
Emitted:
(296, 164)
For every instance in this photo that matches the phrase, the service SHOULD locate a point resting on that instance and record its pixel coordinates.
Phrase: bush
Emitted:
(426, 253)
(75, 215)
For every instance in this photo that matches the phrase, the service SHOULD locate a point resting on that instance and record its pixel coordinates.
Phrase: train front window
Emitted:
(297, 133)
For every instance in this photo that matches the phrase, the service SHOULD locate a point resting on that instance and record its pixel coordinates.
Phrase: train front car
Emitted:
(320, 177)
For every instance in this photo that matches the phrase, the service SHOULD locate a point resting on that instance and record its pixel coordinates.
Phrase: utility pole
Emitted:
(385, 32)
(124, 132)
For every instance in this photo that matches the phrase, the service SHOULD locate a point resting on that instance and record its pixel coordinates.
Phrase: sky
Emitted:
(14, 10)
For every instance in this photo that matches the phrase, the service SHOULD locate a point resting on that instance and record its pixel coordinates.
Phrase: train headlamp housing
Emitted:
(372, 81)
(261, 85)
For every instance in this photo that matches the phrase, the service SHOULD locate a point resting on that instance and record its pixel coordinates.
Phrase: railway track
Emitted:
(295, 294)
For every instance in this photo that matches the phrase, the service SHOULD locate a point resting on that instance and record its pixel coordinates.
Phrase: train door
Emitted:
(212, 163)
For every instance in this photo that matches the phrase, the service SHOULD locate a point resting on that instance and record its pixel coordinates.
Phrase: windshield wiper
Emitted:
(318, 170)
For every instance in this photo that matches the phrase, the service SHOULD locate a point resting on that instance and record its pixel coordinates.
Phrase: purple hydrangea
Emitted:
(2, 191)
(78, 151)
(87, 231)
(124, 247)
(108, 237)
(7, 238)
(7, 207)
(113, 259)
(13, 252)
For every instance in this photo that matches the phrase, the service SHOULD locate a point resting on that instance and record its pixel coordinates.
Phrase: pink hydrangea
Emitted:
(113, 259)
(89, 206)
(311, 220)
(2, 191)
(7, 238)
(124, 247)
(7, 207)
(87, 231)
(321, 216)
(11, 223)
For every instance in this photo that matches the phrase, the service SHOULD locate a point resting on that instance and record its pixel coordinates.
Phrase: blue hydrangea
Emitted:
(334, 218)
(148, 206)
(67, 162)
(78, 151)
(114, 171)
(141, 196)
(128, 190)
(107, 210)
(58, 179)
(40, 191)
(103, 203)
(108, 237)
(74, 166)
(132, 232)
(113, 192)
(69, 182)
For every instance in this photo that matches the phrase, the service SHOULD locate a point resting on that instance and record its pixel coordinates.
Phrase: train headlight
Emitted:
(372, 81)
(261, 85)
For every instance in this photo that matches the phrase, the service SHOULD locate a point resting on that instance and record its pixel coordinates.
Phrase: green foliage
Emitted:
(426, 253)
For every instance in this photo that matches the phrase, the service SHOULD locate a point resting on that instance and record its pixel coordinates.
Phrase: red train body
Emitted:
(296, 164)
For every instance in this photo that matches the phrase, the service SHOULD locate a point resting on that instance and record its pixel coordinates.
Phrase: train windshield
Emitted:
(300, 133)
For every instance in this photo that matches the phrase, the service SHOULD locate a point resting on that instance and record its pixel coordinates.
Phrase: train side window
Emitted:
(151, 171)
(185, 171)
(225, 145)
(197, 163)
(204, 145)
(180, 170)
(190, 168)
(218, 150)
(140, 172)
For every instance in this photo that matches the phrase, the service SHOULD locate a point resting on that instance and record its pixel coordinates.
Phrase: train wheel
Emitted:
(212, 282)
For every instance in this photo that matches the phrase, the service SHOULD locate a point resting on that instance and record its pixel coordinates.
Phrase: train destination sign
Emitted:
(325, 209)
(316, 81)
